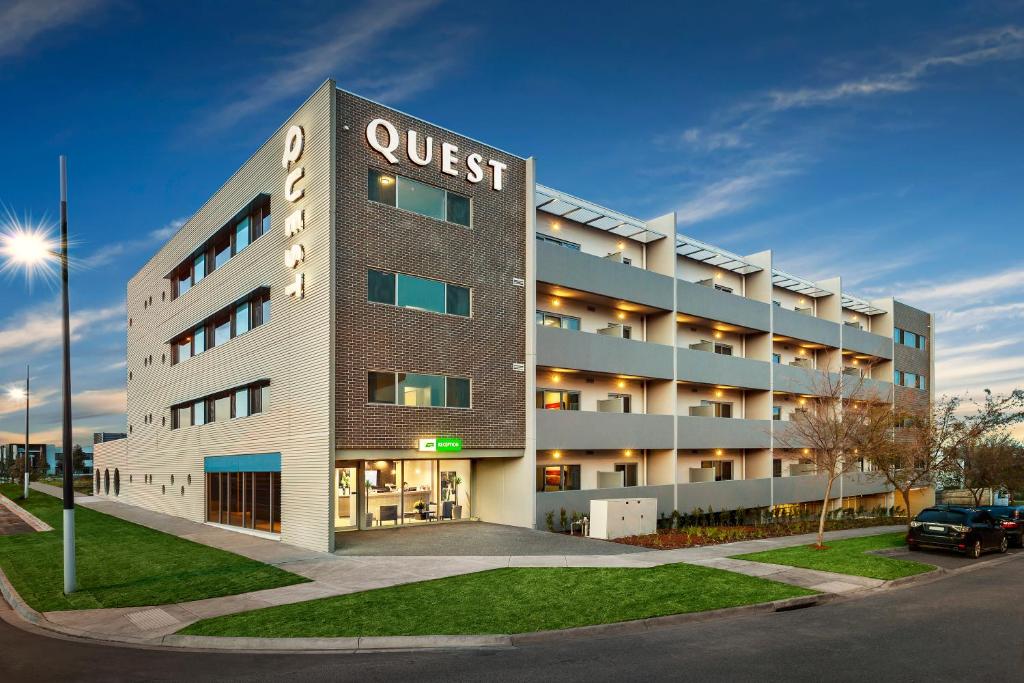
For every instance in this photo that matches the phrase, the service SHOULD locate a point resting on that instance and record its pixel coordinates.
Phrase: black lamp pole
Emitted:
(69, 490)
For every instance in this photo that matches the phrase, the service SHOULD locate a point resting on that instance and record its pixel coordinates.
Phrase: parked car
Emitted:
(967, 530)
(1011, 517)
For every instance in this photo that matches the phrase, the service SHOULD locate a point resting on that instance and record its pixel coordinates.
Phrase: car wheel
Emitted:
(1003, 545)
(975, 551)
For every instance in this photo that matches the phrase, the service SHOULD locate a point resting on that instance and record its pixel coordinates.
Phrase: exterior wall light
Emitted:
(556, 455)
(718, 451)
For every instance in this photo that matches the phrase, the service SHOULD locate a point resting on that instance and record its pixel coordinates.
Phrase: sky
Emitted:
(877, 141)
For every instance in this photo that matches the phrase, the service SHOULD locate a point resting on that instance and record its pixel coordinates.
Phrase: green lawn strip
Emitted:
(849, 556)
(121, 564)
(506, 601)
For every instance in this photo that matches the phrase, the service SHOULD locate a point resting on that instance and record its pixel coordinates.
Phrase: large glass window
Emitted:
(224, 405)
(380, 286)
(723, 468)
(420, 390)
(242, 403)
(554, 399)
(413, 389)
(199, 412)
(242, 234)
(415, 292)
(225, 324)
(566, 322)
(558, 478)
(222, 331)
(242, 318)
(629, 471)
(199, 268)
(412, 195)
(221, 408)
(199, 340)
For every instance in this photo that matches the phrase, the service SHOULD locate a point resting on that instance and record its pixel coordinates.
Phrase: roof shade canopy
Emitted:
(860, 305)
(797, 284)
(594, 216)
(704, 252)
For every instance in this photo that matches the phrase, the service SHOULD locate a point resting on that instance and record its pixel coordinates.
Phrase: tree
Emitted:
(840, 415)
(907, 446)
(77, 459)
(983, 455)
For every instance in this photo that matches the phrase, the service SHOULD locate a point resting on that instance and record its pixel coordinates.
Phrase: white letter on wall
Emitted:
(292, 193)
(498, 168)
(293, 141)
(448, 159)
(297, 288)
(294, 255)
(413, 149)
(476, 173)
(295, 222)
(386, 150)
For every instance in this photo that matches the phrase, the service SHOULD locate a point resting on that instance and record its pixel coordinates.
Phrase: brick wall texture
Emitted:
(909, 359)
(486, 257)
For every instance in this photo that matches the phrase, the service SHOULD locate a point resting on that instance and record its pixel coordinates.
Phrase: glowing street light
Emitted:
(31, 248)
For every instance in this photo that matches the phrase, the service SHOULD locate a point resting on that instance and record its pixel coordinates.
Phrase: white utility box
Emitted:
(618, 517)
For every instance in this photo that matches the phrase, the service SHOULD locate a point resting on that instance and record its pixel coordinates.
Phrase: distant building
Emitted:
(55, 461)
(103, 437)
(38, 453)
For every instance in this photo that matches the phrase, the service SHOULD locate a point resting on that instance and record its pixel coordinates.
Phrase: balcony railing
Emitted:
(705, 301)
(572, 349)
(708, 431)
(586, 430)
(719, 369)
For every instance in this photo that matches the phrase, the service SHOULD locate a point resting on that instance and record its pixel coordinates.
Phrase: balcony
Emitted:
(799, 379)
(584, 430)
(806, 327)
(861, 341)
(706, 302)
(572, 349)
(604, 276)
(701, 431)
(718, 369)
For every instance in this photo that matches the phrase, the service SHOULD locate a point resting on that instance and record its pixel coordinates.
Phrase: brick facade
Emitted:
(908, 359)
(486, 257)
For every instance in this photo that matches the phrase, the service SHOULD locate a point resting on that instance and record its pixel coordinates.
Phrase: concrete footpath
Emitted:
(332, 575)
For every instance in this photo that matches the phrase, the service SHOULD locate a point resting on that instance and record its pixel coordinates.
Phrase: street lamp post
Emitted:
(69, 490)
(31, 248)
(25, 492)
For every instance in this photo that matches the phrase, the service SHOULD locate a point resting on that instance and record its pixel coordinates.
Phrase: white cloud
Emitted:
(972, 350)
(40, 330)
(733, 193)
(1002, 44)
(111, 252)
(22, 22)
(352, 39)
(964, 291)
(979, 317)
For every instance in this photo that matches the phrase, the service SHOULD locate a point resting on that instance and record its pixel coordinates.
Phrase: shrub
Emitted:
(549, 519)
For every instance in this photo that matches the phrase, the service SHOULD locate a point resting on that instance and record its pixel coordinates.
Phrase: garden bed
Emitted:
(695, 536)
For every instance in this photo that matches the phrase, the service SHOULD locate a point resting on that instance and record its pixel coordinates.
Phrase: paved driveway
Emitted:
(471, 538)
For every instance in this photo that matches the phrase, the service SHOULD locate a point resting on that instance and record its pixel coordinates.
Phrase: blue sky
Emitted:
(878, 141)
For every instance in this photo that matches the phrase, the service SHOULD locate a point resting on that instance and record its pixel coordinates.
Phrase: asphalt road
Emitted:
(966, 627)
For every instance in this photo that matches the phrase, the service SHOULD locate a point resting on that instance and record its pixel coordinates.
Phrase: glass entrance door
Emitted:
(346, 488)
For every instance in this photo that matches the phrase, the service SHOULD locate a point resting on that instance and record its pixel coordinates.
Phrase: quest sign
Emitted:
(385, 139)
(295, 253)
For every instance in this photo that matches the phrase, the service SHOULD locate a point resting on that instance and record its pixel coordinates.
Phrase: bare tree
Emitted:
(838, 416)
(907, 445)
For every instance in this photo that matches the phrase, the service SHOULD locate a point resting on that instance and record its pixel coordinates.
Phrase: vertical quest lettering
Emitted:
(294, 191)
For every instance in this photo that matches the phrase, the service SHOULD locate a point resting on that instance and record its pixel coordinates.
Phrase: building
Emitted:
(103, 437)
(378, 322)
(55, 460)
(38, 453)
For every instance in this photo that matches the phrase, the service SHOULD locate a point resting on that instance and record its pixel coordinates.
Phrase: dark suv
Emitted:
(1011, 517)
(967, 530)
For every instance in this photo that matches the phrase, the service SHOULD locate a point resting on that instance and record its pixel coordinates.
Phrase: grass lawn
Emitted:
(121, 564)
(849, 556)
(506, 601)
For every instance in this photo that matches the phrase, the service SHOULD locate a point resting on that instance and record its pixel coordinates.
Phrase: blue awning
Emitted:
(257, 462)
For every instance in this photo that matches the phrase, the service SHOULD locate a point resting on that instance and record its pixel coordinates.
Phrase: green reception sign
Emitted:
(441, 444)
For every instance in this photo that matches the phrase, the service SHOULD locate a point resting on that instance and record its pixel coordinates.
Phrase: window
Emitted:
(629, 472)
(566, 322)
(250, 224)
(897, 378)
(558, 478)
(412, 195)
(224, 405)
(554, 399)
(908, 338)
(776, 358)
(251, 500)
(219, 328)
(541, 237)
(627, 332)
(723, 349)
(411, 389)
(410, 291)
(721, 409)
(723, 468)
(776, 467)
(777, 413)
